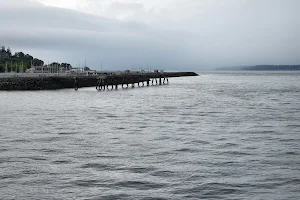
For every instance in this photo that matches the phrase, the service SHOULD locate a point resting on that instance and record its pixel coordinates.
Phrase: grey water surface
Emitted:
(233, 135)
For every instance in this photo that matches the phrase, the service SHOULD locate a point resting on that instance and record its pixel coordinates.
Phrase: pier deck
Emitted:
(100, 81)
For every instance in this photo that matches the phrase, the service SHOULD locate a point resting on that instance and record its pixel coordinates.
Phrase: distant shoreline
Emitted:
(262, 68)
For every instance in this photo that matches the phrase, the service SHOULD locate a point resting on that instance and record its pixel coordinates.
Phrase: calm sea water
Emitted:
(216, 136)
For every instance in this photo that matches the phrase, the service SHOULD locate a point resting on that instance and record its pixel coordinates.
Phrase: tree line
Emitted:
(24, 60)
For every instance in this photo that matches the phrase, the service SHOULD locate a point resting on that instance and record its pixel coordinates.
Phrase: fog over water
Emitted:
(173, 34)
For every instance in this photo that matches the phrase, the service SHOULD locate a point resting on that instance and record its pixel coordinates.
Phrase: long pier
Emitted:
(102, 81)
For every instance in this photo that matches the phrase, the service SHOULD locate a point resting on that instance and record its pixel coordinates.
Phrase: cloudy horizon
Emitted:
(173, 35)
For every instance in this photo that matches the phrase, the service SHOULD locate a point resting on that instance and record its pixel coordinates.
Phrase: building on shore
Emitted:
(46, 69)
(56, 69)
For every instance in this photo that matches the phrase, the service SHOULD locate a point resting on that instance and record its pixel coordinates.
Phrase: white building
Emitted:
(46, 69)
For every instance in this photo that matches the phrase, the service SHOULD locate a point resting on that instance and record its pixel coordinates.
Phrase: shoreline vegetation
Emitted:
(20, 62)
(261, 68)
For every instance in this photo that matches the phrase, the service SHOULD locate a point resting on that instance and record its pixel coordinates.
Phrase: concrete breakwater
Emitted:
(100, 81)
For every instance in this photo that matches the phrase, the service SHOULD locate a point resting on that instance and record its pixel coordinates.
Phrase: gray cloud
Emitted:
(187, 34)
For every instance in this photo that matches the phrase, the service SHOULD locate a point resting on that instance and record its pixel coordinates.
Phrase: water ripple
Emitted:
(217, 136)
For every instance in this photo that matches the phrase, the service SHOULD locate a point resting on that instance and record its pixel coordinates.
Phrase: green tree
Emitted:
(19, 55)
(9, 51)
(37, 62)
(28, 57)
(66, 66)
(55, 64)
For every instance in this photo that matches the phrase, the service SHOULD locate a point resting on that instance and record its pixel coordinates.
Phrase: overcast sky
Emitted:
(164, 34)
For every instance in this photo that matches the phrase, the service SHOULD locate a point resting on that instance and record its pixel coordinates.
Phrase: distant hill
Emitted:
(262, 68)
(20, 61)
(13, 62)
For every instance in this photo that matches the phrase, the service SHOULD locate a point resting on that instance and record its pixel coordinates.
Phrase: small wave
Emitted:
(97, 166)
(169, 107)
(21, 141)
(289, 140)
(162, 153)
(143, 127)
(154, 198)
(52, 151)
(140, 185)
(227, 145)
(89, 183)
(268, 132)
(161, 138)
(61, 161)
(113, 196)
(163, 173)
(37, 158)
(68, 133)
(3, 150)
(211, 190)
(187, 150)
(236, 153)
(200, 142)
(293, 126)
(139, 170)
(170, 121)
(49, 139)
(11, 176)
(221, 139)
(182, 129)
(291, 153)
(271, 183)
(31, 171)
(111, 116)
(192, 122)
(141, 113)
(100, 117)
(106, 156)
